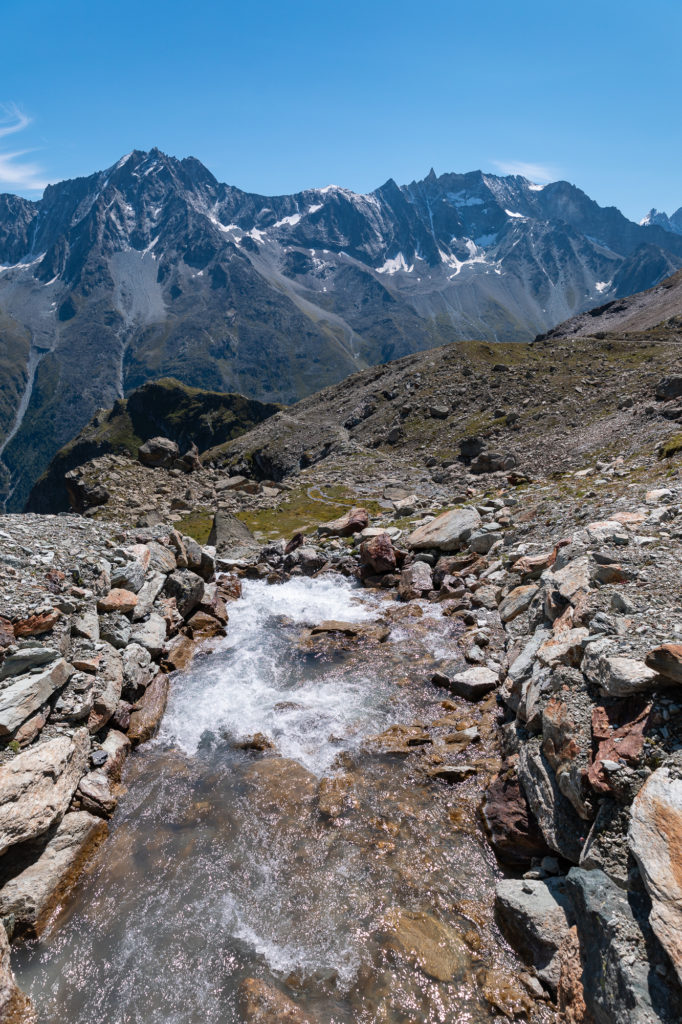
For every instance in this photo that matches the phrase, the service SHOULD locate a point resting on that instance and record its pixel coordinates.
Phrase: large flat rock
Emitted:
(535, 916)
(36, 787)
(32, 895)
(447, 532)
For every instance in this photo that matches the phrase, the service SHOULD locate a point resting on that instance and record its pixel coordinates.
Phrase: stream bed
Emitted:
(366, 897)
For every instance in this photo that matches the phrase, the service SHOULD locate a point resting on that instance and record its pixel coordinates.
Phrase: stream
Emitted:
(226, 863)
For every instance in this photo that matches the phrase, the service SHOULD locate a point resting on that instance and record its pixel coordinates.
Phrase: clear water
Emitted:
(221, 866)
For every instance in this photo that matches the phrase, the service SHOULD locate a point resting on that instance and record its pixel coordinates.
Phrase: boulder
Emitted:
(669, 388)
(76, 700)
(117, 600)
(37, 785)
(623, 970)
(36, 625)
(24, 695)
(136, 664)
(33, 895)
(354, 521)
(356, 630)
(617, 676)
(94, 794)
(162, 558)
(25, 659)
(535, 917)
(415, 581)
(117, 747)
(655, 839)
(187, 588)
(492, 462)
(232, 540)
(107, 688)
(158, 452)
(447, 532)
(150, 634)
(563, 648)
(84, 494)
(563, 830)
(517, 601)
(379, 554)
(86, 625)
(667, 661)
(149, 710)
(129, 576)
(512, 830)
(473, 683)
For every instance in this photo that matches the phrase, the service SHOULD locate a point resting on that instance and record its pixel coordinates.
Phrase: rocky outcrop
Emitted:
(447, 532)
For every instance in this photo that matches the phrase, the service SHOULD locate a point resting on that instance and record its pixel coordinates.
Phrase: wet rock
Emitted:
(427, 943)
(358, 630)
(655, 838)
(24, 695)
(535, 916)
(335, 795)
(666, 660)
(398, 739)
(15, 1007)
(415, 581)
(622, 984)
(148, 711)
(37, 785)
(447, 532)
(281, 787)
(617, 676)
(512, 830)
(504, 993)
(179, 653)
(187, 588)
(451, 772)
(202, 624)
(116, 747)
(32, 895)
(354, 521)
(231, 539)
(158, 452)
(260, 1003)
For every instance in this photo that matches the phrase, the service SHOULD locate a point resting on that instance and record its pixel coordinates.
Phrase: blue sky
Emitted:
(278, 96)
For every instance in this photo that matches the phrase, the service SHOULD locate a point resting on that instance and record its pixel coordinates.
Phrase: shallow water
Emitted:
(221, 866)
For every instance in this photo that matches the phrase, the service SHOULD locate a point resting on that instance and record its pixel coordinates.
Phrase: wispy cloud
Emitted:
(16, 172)
(540, 173)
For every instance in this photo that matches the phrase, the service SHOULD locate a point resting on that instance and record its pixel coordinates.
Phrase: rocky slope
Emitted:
(153, 267)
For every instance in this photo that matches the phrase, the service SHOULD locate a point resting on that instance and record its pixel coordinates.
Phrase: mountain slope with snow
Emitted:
(154, 268)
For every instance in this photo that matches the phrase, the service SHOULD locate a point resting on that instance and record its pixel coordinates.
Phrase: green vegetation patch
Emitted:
(301, 512)
(197, 525)
(673, 446)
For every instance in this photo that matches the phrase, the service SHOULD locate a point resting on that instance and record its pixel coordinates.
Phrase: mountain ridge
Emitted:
(154, 268)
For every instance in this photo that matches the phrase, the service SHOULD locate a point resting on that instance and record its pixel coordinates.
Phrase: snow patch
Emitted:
(511, 214)
(535, 188)
(602, 286)
(394, 265)
(314, 208)
(292, 221)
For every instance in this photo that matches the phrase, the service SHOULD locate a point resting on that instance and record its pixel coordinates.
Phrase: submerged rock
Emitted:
(261, 1003)
(426, 942)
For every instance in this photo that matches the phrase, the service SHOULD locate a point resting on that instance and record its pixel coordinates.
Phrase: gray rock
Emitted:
(606, 847)
(158, 452)
(94, 794)
(564, 831)
(150, 634)
(129, 576)
(25, 694)
(187, 588)
(115, 629)
(37, 785)
(162, 558)
(415, 581)
(76, 700)
(481, 541)
(32, 895)
(147, 595)
(86, 625)
(107, 689)
(136, 661)
(474, 683)
(617, 676)
(448, 532)
(25, 659)
(535, 916)
(231, 538)
(623, 966)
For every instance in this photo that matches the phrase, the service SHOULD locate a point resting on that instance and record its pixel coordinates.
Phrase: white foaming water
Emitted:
(255, 683)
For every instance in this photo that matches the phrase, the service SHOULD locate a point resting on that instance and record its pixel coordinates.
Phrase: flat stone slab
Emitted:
(25, 694)
(33, 895)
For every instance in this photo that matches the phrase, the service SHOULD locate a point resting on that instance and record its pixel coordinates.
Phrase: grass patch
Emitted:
(673, 446)
(197, 525)
(298, 512)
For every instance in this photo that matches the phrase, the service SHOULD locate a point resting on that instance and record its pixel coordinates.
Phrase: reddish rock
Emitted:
(117, 600)
(89, 665)
(354, 521)
(379, 554)
(667, 661)
(618, 730)
(532, 566)
(149, 710)
(261, 1003)
(34, 625)
(204, 625)
(512, 830)
(180, 653)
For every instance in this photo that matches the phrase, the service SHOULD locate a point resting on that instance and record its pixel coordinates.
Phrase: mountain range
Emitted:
(154, 268)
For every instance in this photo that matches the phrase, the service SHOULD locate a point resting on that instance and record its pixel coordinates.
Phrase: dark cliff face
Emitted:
(155, 268)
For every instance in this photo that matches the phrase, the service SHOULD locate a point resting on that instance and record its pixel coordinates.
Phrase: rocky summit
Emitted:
(410, 650)
(152, 267)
